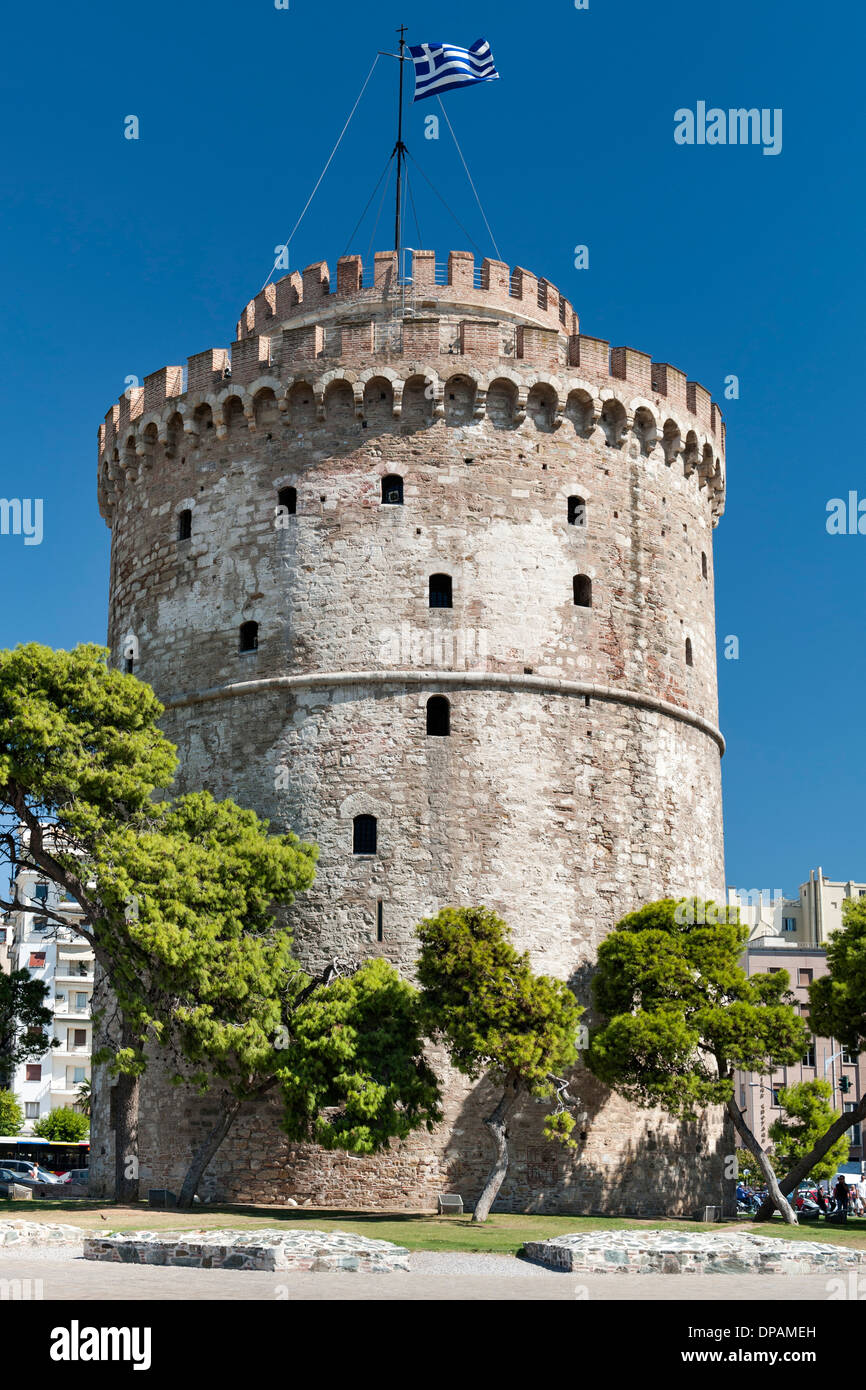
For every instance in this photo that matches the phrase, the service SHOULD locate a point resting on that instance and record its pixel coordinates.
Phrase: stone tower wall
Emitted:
(581, 777)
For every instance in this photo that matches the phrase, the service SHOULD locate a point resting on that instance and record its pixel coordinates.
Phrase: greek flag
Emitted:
(440, 67)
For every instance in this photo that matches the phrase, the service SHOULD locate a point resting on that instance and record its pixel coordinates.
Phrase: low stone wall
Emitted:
(38, 1233)
(664, 1252)
(265, 1249)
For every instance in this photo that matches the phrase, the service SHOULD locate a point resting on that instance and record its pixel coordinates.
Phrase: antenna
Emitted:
(400, 148)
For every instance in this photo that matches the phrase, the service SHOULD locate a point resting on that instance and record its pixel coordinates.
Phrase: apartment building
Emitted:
(807, 920)
(64, 962)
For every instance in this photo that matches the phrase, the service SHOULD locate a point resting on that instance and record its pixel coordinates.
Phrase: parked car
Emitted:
(77, 1175)
(20, 1165)
(8, 1176)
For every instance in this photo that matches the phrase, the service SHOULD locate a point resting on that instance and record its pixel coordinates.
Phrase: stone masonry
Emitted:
(569, 492)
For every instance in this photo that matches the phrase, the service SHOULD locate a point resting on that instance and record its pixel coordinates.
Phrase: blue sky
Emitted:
(121, 256)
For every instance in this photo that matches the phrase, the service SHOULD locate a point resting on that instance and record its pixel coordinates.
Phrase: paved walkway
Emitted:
(435, 1276)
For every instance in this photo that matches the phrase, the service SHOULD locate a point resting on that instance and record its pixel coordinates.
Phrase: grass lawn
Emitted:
(503, 1234)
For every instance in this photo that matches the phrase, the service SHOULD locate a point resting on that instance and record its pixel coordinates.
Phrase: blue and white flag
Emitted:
(440, 67)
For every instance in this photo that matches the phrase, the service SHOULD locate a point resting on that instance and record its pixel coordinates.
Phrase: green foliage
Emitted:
(808, 1106)
(63, 1126)
(483, 999)
(11, 1114)
(837, 1001)
(352, 1074)
(746, 1164)
(681, 1015)
(24, 1021)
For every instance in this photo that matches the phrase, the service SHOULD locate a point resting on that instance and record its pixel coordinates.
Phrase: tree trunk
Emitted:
(206, 1150)
(497, 1123)
(802, 1169)
(125, 1103)
(751, 1143)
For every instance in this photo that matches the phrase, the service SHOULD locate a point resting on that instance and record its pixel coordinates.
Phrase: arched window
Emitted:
(288, 497)
(689, 657)
(249, 637)
(438, 717)
(392, 490)
(128, 665)
(440, 591)
(576, 511)
(703, 564)
(582, 585)
(184, 524)
(364, 835)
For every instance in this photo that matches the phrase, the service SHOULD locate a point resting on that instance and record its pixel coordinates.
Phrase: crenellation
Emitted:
(385, 270)
(349, 275)
(461, 270)
(131, 406)
(316, 282)
(250, 357)
(591, 354)
(698, 403)
(633, 367)
(160, 386)
(206, 371)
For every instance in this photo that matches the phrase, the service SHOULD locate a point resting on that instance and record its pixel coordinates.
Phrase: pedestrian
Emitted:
(840, 1192)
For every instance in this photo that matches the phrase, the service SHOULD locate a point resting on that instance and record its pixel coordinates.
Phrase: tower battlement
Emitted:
(506, 339)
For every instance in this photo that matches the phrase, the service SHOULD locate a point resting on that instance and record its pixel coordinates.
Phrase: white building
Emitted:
(64, 961)
(807, 920)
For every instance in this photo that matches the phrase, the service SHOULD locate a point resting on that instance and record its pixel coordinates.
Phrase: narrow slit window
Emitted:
(689, 658)
(249, 637)
(582, 587)
(576, 511)
(440, 591)
(184, 524)
(392, 490)
(288, 497)
(438, 717)
(380, 921)
(364, 835)
(703, 564)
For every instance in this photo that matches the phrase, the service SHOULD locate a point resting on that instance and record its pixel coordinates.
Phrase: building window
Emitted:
(380, 921)
(33, 1071)
(41, 924)
(576, 511)
(789, 924)
(804, 977)
(77, 1037)
(689, 658)
(849, 1059)
(31, 1110)
(854, 1131)
(249, 637)
(128, 665)
(80, 1002)
(392, 490)
(582, 589)
(79, 1074)
(364, 835)
(40, 892)
(809, 1056)
(703, 565)
(774, 1092)
(288, 497)
(37, 960)
(440, 591)
(438, 717)
(184, 524)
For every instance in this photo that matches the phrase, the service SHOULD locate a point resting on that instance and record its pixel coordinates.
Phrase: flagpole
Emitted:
(400, 150)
